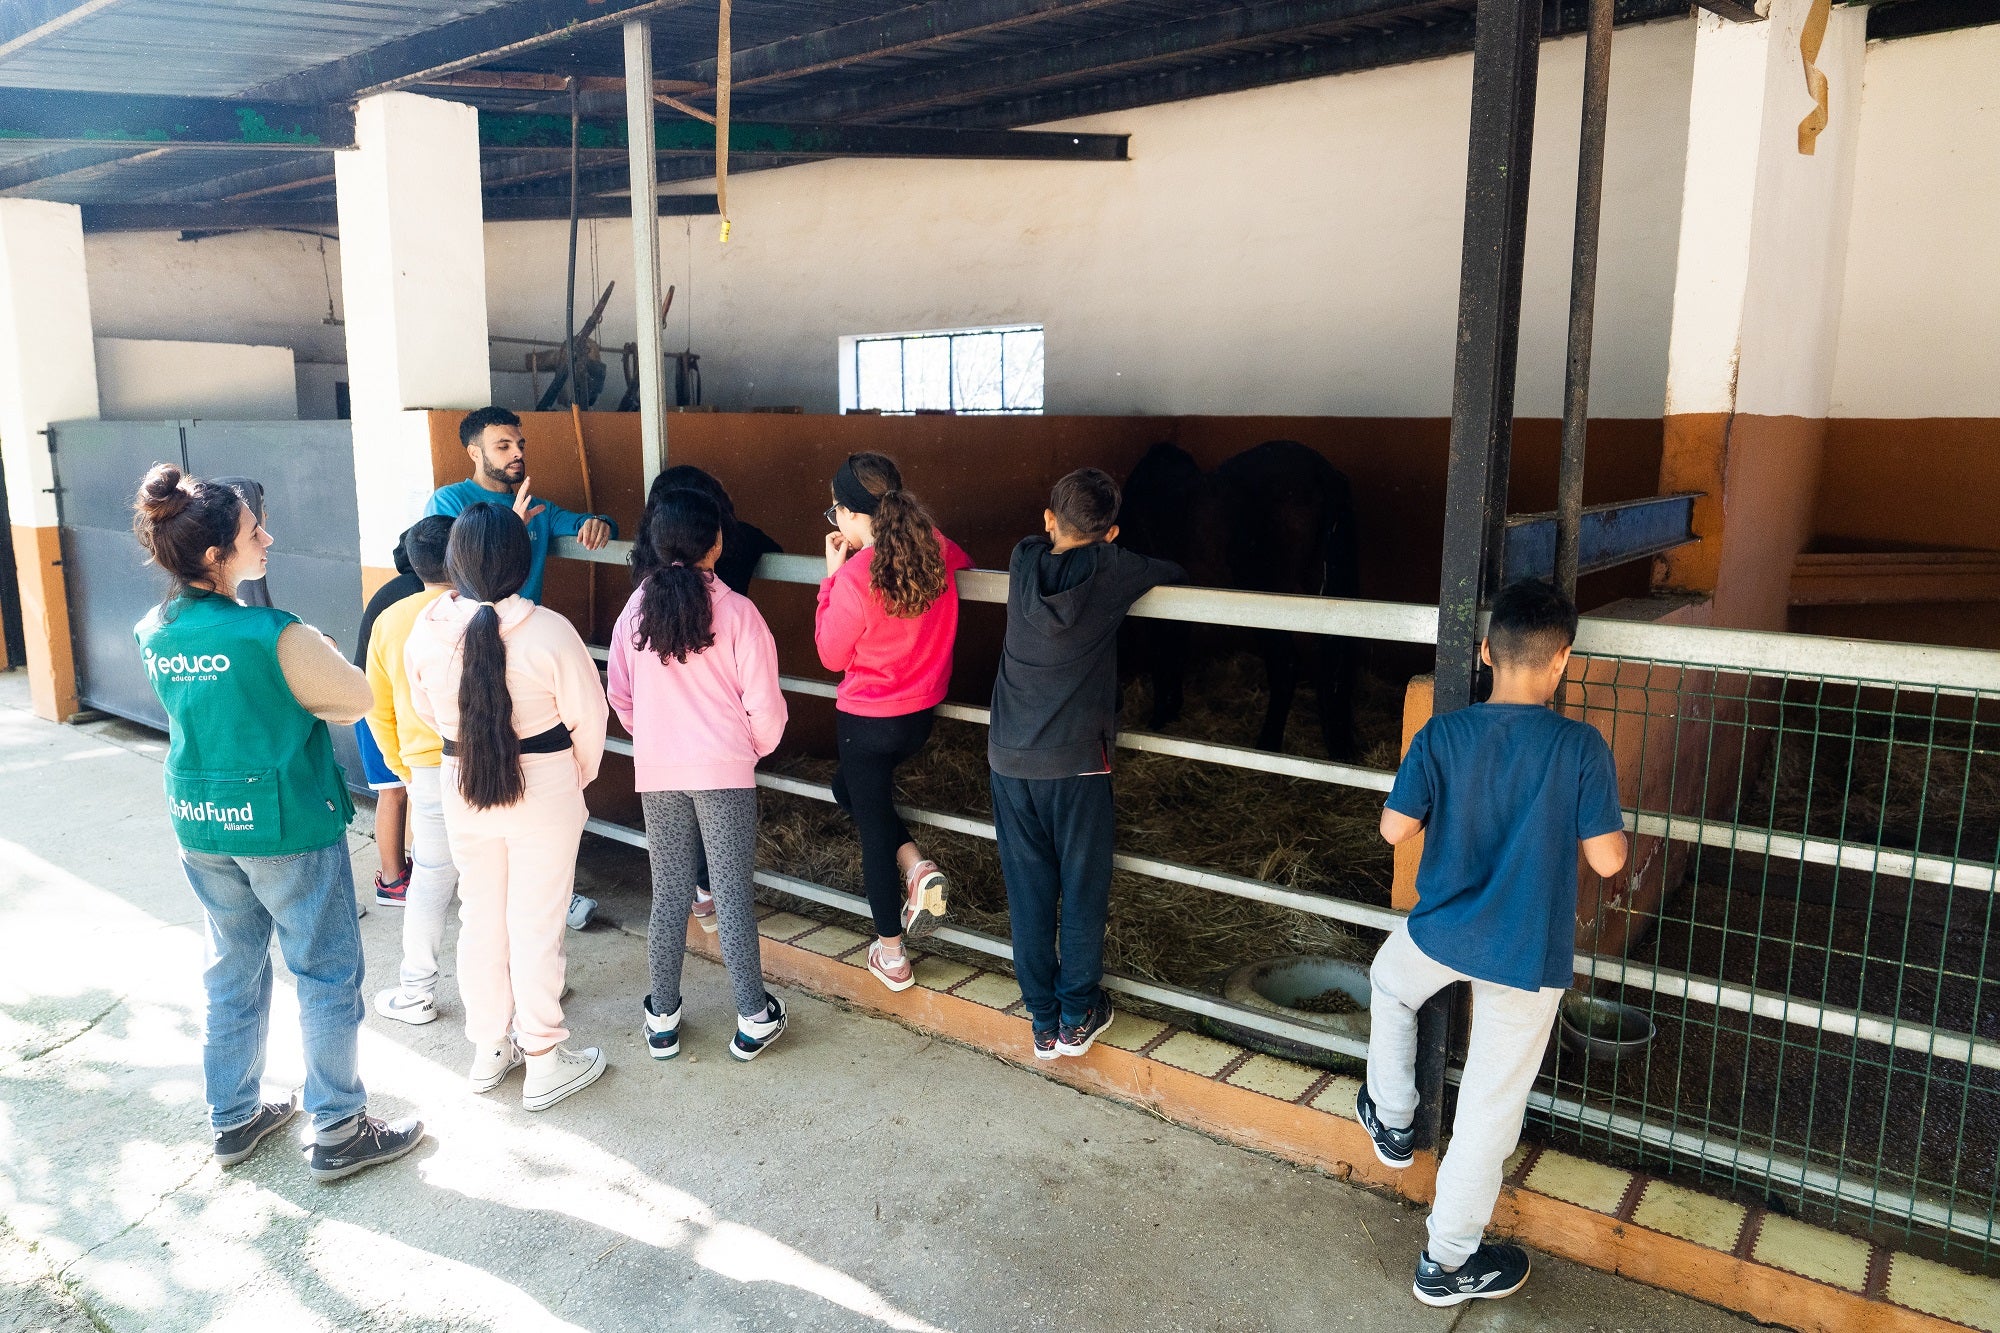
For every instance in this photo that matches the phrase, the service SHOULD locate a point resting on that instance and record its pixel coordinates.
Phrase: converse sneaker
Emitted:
(396, 891)
(581, 909)
(372, 1143)
(752, 1037)
(1045, 1043)
(1493, 1271)
(1076, 1038)
(663, 1032)
(894, 971)
(558, 1072)
(704, 910)
(406, 1006)
(1393, 1147)
(235, 1145)
(493, 1062)
(923, 898)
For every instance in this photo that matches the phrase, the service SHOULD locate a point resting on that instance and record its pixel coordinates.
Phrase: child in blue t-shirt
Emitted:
(1504, 792)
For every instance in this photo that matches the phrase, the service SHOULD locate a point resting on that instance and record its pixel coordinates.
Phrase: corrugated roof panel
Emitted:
(139, 175)
(216, 48)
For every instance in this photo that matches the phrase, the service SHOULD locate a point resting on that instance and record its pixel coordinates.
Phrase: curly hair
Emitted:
(907, 570)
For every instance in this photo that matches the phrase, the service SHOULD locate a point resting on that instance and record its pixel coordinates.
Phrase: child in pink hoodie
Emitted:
(888, 618)
(512, 691)
(693, 676)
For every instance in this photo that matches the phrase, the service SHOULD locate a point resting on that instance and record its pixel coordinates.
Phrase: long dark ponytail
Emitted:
(908, 566)
(680, 477)
(487, 561)
(676, 617)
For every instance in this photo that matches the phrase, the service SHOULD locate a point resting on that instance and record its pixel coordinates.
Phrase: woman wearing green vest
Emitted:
(260, 809)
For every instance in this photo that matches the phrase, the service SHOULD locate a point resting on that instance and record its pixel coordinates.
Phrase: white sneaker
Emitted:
(558, 1072)
(581, 909)
(406, 1006)
(491, 1064)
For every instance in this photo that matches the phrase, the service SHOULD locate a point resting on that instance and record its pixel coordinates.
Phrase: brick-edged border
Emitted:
(1296, 1132)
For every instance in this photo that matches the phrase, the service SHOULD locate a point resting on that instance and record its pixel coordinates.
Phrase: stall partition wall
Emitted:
(307, 471)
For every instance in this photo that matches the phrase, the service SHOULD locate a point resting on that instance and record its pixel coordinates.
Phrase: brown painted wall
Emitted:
(1928, 484)
(45, 622)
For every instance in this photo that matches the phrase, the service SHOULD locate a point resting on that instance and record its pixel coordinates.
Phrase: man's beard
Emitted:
(504, 475)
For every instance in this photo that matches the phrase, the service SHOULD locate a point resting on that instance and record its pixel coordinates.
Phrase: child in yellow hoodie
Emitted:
(413, 750)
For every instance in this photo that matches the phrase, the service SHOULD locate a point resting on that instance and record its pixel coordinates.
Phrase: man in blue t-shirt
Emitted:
(499, 453)
(1504, 793)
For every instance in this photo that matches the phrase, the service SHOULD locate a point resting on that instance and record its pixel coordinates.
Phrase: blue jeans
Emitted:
(1056, 838)
(309, 899)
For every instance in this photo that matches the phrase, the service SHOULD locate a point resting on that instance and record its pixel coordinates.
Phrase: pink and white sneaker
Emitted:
(923, 899)
(896, 973)
(704, 911)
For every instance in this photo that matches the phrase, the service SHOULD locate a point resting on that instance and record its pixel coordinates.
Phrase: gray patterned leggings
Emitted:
(679, 825)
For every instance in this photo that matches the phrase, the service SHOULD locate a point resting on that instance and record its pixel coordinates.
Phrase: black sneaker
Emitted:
(1493, 1271)
(751, 1037)
(234, 1145)
(372, 1143)
(1393, 1147)
(1076, 1038)
(663, 1032)
(1045, 1043)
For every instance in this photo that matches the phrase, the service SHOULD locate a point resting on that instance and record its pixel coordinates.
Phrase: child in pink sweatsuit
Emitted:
(517, 860)
(693, 676)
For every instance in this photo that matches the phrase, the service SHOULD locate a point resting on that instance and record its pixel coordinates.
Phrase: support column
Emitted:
(639, 127)
(48, 372)
(413, 275)
(1757, 304)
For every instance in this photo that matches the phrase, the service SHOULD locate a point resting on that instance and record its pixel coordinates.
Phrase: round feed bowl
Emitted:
(1602, 1029)
(1275, 985)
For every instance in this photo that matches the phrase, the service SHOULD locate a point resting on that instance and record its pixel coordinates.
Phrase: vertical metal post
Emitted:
(645, 245)
(1505, 48)
(1583, 291)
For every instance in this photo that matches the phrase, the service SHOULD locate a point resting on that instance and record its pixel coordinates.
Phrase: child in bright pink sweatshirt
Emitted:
(888, 617)
(693, 676)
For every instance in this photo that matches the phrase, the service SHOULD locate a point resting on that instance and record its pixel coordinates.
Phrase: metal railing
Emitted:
(1811, 1066)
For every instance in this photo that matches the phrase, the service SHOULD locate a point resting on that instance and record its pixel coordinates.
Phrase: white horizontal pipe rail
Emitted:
(1875, 860)
(1680, 1143)
(1917, 666)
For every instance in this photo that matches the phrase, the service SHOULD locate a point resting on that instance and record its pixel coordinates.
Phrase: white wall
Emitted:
(1289, 250)
(142, 379)
(1921, 320)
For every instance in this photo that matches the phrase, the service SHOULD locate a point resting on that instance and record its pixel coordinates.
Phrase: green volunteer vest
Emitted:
(249, 772)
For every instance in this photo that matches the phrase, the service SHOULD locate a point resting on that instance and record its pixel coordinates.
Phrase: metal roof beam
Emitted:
(900, 30)
(679, 134)
(26, 22)
(1375, 50)
(1107, 55)
(323, 212)
(40, 115)
(296, 170)
(23, 175)
(478, 39)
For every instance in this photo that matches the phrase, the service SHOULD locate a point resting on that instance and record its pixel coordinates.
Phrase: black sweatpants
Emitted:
(1056, 840)
(865, 786)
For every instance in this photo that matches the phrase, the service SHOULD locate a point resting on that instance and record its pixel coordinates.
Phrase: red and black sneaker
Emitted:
(396, 890)
(1045, 1043)
(1076, 1038)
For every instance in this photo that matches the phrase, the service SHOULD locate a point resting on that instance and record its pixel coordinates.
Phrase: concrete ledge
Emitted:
(1772, 1268)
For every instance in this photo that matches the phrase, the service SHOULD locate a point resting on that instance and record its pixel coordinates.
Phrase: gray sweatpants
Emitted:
(679, 824)
(1510, 1032)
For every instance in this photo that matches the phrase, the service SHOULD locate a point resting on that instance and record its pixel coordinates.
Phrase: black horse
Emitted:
(1275, 518)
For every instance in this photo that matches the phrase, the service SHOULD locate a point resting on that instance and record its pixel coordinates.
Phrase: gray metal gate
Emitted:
(307, 471)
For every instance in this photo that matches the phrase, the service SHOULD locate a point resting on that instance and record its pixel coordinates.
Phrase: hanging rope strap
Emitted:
(1810, 38)
(723, 117)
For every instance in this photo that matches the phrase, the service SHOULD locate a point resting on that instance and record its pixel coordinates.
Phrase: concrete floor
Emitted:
(860, 1176)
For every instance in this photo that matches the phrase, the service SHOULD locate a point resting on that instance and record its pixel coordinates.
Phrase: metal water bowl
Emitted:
(1277, 985)
(1602, 1029)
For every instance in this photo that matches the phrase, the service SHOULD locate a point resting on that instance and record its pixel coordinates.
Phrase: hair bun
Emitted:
(162, 494)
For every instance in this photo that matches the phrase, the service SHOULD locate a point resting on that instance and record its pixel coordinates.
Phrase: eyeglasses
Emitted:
(832, 516)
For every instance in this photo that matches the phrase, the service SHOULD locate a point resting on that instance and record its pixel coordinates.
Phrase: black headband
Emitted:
(851, 494)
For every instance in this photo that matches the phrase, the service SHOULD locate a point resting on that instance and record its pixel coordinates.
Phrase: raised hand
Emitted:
(524, 509)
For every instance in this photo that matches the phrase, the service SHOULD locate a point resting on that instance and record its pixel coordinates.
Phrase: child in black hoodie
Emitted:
(1055, 717)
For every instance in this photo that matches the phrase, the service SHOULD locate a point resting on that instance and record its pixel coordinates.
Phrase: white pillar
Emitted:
(48, 372)
(1757, 301)
(413, 275)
